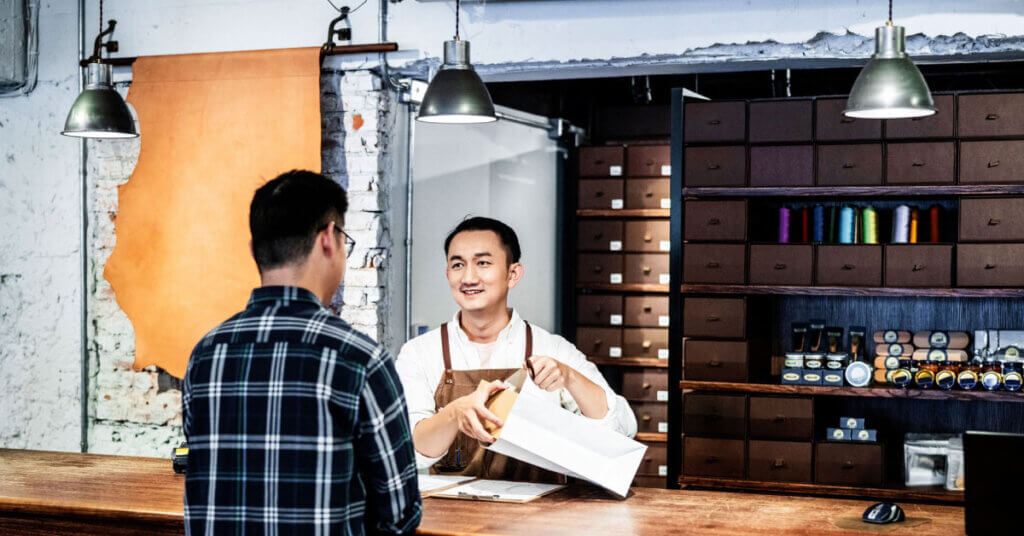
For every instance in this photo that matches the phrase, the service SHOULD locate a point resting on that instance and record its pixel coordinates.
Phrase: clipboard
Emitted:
(439, 483)
(498, 491)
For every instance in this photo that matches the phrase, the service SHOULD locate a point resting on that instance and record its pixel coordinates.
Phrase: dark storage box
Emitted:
(991, 115)
(781, 418)
(647, 268)
(646, 311)
(991, 162)
(602, 161)
(723, 458)
(706, 415)
(850, 165)
(779, 461)
(648, 161)
(599, 342)
(648, 193)
(715, 317)
(918, 265)
(599, 268)
(714, 263)
(715, 121)
(783, 165)
(722, 361)
(716, 166)
(599, 310)
(715, 220)
(992, 219)
(848, 464)
(832, 125)
(648, 236)
(777, 121)
(600, 235)
(781, 264)
(990, 265)
(849, 265)
(939, 125)
(645, 342)
(645, 384)
(920, 163)
(601, 194)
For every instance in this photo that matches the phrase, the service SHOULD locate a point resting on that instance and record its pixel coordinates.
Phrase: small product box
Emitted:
(792, 376)
(851, 423)
(864, 435)
(832, 377)
(812, 377)
(839, 434)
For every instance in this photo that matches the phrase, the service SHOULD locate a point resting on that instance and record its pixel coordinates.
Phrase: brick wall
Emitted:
(139, 413)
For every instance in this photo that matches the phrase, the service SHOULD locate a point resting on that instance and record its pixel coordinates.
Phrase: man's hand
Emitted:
(550, 374)
(469, 410)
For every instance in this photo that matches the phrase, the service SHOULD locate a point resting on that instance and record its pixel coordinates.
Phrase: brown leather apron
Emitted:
(466, 456)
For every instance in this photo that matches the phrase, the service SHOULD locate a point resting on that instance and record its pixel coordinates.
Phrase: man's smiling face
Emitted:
(478, 271)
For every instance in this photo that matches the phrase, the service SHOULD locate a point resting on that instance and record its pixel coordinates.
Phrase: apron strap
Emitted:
(529, 341)
(445, 351)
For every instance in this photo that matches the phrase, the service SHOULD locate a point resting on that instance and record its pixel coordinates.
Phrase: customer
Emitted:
(296, 423)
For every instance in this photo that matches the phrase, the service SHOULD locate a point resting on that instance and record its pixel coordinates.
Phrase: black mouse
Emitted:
(884, 513)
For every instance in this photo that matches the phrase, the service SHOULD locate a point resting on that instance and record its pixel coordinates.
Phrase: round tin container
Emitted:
(858, 374)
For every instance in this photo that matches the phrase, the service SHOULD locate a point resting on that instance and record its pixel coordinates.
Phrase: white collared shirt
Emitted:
(421, 364)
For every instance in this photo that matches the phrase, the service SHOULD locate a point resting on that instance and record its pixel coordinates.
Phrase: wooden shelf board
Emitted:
(624, 213)
(625, 287)
(927, 494)
(863, 392)
(856, 191)
(855, 291)
(652, 438)
(653, 362)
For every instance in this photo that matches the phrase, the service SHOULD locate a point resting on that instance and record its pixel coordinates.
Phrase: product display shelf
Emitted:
(810, 290)
(625, 287)
(865, 392)
(652, 362)
(855, 191)
(925, 494)
(624, 213)
(652, 438)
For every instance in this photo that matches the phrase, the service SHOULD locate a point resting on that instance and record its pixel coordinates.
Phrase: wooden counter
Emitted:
(49, 492)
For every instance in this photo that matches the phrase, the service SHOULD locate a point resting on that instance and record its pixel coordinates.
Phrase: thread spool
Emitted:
(804, 235)
(901, 225)
(913, 225)
(870, 225)
(858, 224)
(933, 223)
(783, 225)
(833, 225)
(819, 223)
(846, 225)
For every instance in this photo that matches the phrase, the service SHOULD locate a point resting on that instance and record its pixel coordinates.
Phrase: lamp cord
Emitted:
(457, 20)
(101, 15)
(890, 10)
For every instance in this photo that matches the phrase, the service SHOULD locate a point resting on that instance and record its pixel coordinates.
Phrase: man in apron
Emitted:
(441, 370)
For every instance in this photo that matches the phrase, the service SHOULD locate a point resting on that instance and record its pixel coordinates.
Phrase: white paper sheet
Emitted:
(431, 482)
(496, 490)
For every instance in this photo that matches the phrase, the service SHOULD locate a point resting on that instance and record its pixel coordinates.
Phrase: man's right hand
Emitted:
(469, 410)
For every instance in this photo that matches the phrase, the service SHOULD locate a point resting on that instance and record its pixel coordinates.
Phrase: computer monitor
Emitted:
(991, 471)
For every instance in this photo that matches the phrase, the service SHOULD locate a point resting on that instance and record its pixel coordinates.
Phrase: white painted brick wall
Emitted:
(128, 414)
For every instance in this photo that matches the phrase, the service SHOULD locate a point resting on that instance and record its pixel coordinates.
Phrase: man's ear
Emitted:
(327, 241)
(515, 273)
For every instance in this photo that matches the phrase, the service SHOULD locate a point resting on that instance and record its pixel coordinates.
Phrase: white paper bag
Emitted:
(563, 442)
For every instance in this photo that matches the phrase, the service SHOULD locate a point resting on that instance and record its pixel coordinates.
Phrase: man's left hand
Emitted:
(550, 374)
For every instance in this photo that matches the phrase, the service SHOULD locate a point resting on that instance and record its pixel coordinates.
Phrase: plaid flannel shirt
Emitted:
(296, 423)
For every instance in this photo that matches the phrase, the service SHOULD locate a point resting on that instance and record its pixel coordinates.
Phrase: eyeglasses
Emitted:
(350, 243)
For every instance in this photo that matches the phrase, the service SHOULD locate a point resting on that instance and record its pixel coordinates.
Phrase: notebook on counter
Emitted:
(498, 491)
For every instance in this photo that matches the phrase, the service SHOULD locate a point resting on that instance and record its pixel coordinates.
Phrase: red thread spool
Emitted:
(933, 220)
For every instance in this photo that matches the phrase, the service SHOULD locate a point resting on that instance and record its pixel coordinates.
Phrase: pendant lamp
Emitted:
(889, 86)
(456, 95)
(100, 111)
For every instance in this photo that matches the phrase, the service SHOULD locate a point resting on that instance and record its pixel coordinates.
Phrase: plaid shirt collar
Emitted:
(283, 294)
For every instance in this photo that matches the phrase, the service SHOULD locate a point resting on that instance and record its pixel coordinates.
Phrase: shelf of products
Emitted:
(867, 392)
(624, 213)
(857, 191)
(652, 438)
(652, 362)
(852, 291)
(927, 494)
(625, 287)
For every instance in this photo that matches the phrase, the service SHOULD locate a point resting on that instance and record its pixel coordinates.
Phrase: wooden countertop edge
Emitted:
(19, 505)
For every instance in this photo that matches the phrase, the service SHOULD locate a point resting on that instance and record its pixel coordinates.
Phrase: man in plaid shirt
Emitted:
(296, 423)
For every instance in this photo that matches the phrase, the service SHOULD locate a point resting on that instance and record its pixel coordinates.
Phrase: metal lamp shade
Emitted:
(889, 86)
(456, 94)
(99, 111)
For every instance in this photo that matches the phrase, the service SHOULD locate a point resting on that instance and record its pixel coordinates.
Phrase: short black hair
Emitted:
(287, 213)
(478, 223)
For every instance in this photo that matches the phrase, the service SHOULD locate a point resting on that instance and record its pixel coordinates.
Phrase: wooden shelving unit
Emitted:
(859, 191)
(926, 494)
(624, 213)
(863, 392)
(654, 438)
(956, 292)
(625, 287)
(651, 362)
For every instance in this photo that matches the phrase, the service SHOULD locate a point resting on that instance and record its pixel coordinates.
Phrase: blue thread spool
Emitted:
(819, 223)
(846, 225)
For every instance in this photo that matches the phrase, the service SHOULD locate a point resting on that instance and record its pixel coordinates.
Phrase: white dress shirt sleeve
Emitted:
(619, 417)
(419, 391)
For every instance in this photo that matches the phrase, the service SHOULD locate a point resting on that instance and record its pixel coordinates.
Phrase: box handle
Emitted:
(648, 237)
(714, 364)
(647, 269)
(645, 385)
(647, 309)
(598, 341)
(917, 268)
(648, 194)
(713, 265)
(646, 417)
(780, 266)
(849, 165)
(598, 269)
(994, 221)
(646, 345)
(714, 221)
(715, 122)
(713, 318)
(846, 120)
(993, 163)
(778, 463)
(599, 193)
(711, 459)
(991, 117)
(990, 267)
(650, 162)
(714, 166)
(779, 419)
(917, 164)
(848, 267)
(848, 464)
